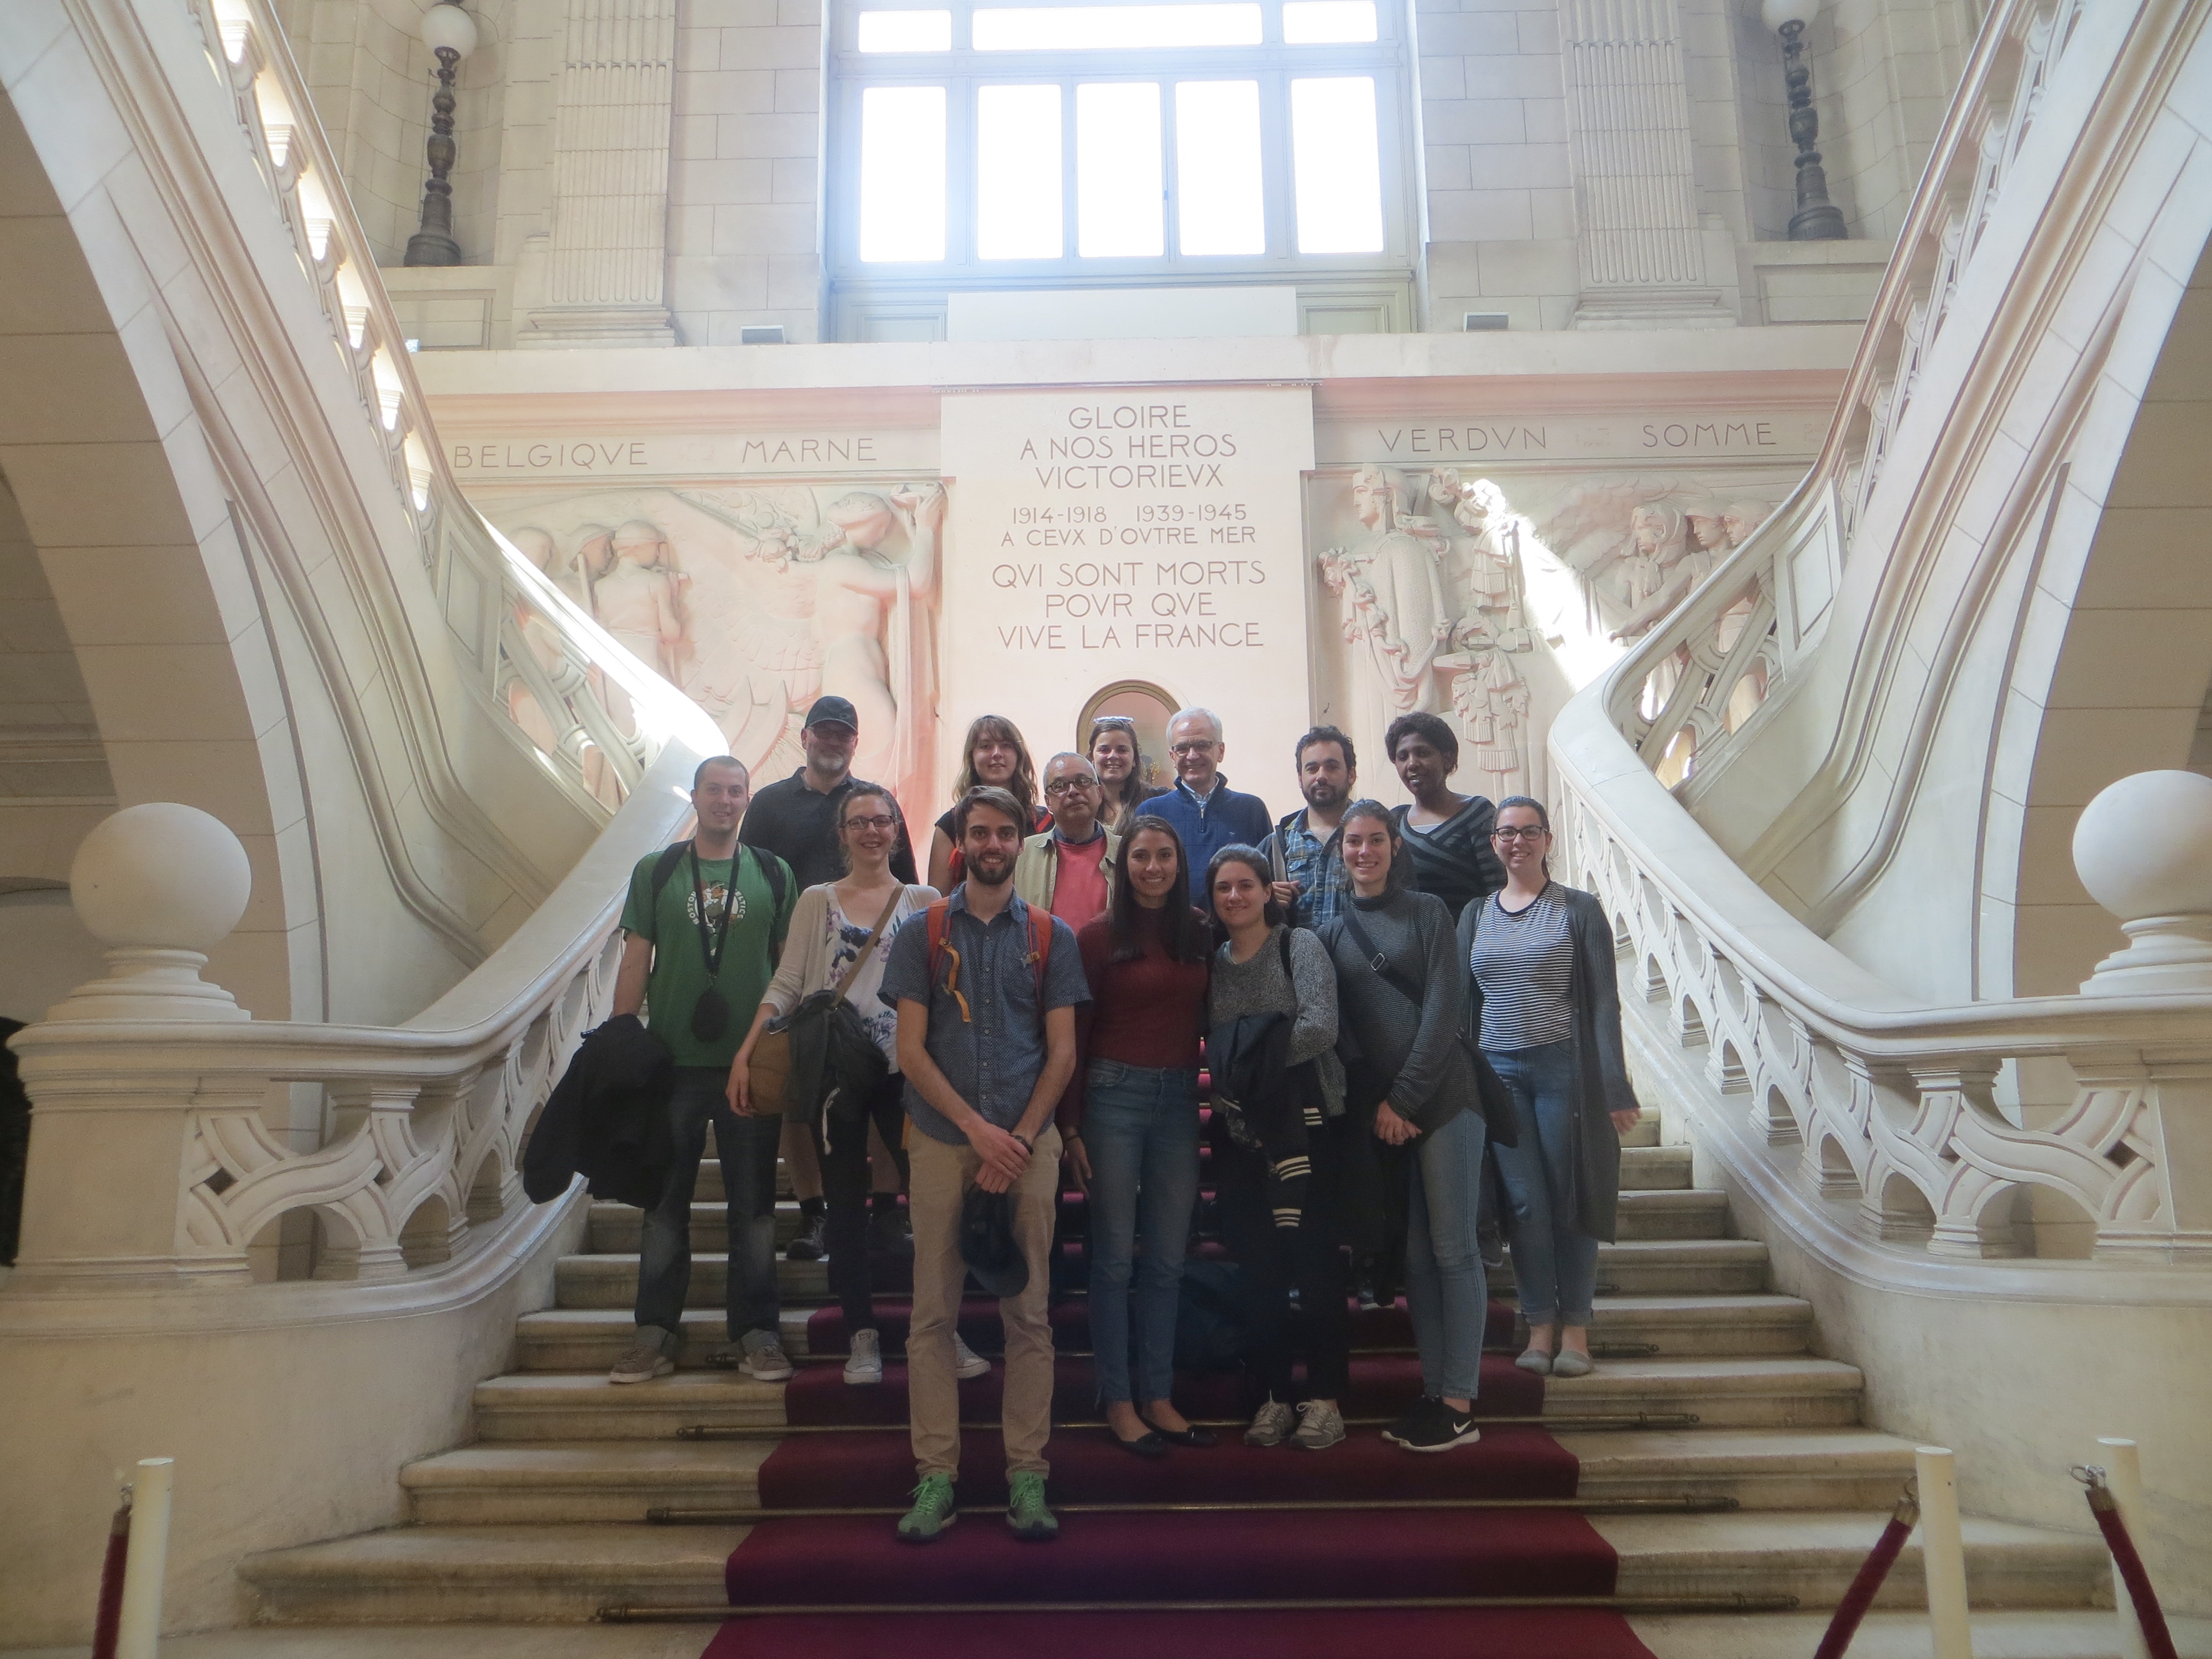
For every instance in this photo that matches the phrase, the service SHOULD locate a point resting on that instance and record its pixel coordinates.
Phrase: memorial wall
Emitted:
(1282, 553)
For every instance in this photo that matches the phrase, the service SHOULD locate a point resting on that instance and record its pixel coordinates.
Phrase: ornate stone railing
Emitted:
(1703, 674)
(177, 1142)
(1925, 1119)
(560, 679)
(2046, 1125)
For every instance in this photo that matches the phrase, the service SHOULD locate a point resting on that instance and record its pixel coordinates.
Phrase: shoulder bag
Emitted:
(774, 1058)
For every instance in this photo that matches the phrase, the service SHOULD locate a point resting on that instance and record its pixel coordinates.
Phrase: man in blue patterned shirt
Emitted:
(1310, 883)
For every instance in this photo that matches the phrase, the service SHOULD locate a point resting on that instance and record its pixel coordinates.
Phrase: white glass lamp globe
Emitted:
(445, 27)
(163, 876)
(1779, 12)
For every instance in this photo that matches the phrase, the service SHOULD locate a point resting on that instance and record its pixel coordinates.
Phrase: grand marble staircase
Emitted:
(544, 1515)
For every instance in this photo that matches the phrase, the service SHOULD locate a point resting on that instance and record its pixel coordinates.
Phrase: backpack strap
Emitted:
(771, 869)
(665, 867)
(1039, 946)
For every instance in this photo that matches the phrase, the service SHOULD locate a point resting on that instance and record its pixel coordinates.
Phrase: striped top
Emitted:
(1524, 963)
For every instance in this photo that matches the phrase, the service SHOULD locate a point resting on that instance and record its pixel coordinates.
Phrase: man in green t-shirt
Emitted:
(703, 926)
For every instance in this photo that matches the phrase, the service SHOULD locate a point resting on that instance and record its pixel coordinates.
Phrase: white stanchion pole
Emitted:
(138, 1633)
(2124, 1474)
(1943, 1552)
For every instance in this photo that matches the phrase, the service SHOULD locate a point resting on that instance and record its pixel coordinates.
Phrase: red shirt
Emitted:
(1150, 1011)
(1079, 888)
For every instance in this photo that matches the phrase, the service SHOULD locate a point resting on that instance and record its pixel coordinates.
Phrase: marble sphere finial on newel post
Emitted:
(1817, 218)
(2143, 848)
(160, 886)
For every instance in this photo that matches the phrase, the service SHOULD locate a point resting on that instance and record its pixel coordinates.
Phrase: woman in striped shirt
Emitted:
(1543, 999)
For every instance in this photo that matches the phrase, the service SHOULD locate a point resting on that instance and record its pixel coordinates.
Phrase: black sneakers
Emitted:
(1433, 1426)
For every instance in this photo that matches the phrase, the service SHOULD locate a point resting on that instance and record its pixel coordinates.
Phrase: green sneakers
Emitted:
(1026, 1514)
(934, 1511)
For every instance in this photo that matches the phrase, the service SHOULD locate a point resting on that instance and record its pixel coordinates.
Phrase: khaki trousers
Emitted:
(940, 1176)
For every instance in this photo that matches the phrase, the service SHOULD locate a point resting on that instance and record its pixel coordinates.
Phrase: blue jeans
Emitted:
(747, 1147)
(1554, 1264)
(1140, 1130)
(1446, 1290)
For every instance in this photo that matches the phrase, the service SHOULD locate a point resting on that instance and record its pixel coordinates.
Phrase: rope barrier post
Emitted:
(1943, 1551)
(139, 1630)
(2124, 1472)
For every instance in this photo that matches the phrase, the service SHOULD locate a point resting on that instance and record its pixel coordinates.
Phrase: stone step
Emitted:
(1645, 1164)
(566, 1573)
(567, 1406)
(559, 1483)
(2045, 1633)
(1744, 1392)
(1680, 1213)
(1813, 1557)
(1694, 1267)
(592, 1339)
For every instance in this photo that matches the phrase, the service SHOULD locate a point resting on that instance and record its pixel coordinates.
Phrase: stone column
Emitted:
(1638, 231)
(606, 269)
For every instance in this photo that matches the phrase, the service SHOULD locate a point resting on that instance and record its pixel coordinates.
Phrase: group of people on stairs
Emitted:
(1404, 1021)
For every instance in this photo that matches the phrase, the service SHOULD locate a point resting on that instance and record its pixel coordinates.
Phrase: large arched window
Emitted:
(979, 145)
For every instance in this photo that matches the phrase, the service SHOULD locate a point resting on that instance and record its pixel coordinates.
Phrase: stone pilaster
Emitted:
(605, 275)
(1639, 235)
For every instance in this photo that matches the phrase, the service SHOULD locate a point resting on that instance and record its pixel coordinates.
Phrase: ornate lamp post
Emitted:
(451, 33)
(1817, 218)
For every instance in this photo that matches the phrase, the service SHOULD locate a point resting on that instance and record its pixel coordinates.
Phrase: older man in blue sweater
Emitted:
(1205, 811)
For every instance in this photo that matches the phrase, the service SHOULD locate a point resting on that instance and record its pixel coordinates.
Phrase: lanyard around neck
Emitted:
(712, 940)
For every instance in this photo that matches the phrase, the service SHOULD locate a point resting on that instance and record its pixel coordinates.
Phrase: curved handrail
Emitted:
(1925, 1114)
(416, 1177)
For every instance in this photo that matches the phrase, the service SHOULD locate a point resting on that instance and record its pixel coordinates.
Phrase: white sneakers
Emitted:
(966, 1362)
(864, 1364)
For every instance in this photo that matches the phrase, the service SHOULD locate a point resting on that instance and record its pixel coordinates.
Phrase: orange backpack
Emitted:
(940, 914)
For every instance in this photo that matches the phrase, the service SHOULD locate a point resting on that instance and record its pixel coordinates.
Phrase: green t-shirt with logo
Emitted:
(679, 961)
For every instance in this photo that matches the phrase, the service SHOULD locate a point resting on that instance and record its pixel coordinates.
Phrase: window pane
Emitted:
(1219, 207)
(1017, 177)
(1064, 27)
(1322, 23)
(1338, 168)
(902, 173)
(906, 31)
(1117, 170)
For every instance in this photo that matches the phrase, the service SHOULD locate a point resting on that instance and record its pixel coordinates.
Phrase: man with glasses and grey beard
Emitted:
(1205, 811)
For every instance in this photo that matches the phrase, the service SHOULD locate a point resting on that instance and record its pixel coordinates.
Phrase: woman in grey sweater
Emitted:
(1267, 968)
(1402, 999)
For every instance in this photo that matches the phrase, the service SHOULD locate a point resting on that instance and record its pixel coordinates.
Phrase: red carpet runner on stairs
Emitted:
(1220, 1558)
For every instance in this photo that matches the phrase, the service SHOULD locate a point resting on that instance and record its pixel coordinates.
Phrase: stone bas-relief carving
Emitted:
(755, 600)
(1491, 600)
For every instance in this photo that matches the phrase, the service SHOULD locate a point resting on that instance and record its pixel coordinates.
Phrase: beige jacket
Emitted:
(1036, 872)
(804, 968)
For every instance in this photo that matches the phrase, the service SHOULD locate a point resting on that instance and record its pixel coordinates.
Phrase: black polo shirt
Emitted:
(800, 826)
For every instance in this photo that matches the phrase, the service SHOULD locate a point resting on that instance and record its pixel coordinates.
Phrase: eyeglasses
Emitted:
(1069, 786)
(881, 820)
(1524, 832)
(1196, 746)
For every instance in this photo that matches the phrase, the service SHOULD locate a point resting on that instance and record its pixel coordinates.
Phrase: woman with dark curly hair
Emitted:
(1446, 834)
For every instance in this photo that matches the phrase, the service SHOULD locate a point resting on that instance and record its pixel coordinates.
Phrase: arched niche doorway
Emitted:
(1151, 708)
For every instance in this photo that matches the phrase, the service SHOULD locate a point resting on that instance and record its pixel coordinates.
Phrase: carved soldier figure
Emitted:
(1393, 597)
(1490, 700)
(1740, 518)
(639, 600)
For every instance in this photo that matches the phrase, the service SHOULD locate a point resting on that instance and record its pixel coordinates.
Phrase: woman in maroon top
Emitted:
(1130, 1125)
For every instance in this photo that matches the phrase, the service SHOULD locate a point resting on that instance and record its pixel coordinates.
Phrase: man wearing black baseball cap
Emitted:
(796, 819)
